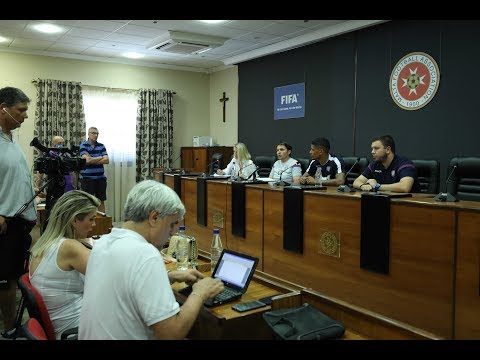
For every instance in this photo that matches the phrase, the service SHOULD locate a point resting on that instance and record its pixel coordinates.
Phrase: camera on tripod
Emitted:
(57, 160)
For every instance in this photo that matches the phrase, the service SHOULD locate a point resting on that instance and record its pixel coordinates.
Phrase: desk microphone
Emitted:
(246, 166)
(345, 187)
(170, 162)
(280, 182)
(254, 173)
(446, 196)
(208, 167)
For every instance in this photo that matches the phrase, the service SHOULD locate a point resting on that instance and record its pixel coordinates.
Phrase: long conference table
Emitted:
(431, 281)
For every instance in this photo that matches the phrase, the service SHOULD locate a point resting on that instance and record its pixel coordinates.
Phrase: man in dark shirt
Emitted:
(331, 165)
(93, 178)
(388, 171)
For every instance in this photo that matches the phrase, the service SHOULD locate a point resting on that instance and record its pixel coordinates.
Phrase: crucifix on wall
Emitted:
(224, 101)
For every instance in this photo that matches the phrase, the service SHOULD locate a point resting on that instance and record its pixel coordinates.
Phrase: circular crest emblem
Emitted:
(329, 243)
(414, 81)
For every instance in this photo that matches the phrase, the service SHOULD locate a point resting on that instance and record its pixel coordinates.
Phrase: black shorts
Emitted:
(14, 248)
(96, 187)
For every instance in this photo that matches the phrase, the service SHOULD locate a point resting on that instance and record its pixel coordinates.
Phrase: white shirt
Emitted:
(237, 169)
(126, 289)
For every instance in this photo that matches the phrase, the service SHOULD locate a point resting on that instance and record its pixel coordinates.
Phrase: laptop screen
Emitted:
(235, 269)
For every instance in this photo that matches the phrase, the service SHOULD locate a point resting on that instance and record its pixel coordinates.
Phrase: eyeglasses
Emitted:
(94, 132)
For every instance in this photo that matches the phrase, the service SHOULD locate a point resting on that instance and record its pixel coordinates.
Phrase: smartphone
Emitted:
(249, 305)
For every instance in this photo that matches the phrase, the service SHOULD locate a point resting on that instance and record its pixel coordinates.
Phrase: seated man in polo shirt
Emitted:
(388, 172)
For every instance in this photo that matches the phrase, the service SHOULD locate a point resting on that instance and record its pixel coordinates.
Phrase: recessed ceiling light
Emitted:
(48, 28)
(213, 21)
(2, 39)
(133, 55)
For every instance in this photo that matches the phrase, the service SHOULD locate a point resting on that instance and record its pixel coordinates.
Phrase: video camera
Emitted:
(57, 160)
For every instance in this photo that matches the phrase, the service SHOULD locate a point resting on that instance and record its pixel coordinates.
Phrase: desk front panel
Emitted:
(467, 314)
(189, 197)
(252, 243)
(168, 180)
(417, 291)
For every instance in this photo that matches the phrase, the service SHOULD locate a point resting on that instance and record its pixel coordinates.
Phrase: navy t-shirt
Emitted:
(398, 169)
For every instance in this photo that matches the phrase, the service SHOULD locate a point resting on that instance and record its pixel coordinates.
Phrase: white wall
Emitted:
(224, 133)
(192, 113)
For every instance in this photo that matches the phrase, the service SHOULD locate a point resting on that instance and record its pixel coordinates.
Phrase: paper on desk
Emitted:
(267, 179)
(221, 176)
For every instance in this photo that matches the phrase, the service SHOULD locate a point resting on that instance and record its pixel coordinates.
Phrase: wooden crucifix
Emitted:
(224, 100)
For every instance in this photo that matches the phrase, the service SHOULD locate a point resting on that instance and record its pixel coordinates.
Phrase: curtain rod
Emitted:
(105, 87)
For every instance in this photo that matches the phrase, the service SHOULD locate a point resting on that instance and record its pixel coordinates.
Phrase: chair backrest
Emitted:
(428, 173)
(33, 330)
(215, 165)
(357, 170)
(304, 164)
(465, 181)
(35, 305)
(265, 164)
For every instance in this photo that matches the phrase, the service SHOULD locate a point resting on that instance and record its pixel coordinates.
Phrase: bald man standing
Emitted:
(58, 142)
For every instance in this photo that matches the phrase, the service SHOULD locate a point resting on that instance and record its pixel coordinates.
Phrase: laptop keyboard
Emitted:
(225, 294)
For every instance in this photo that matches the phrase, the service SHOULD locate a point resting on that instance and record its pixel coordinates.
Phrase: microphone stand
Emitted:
(446, 196)
(345, 187)
(280, 182)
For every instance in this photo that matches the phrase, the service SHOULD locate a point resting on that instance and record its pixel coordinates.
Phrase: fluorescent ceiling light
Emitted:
(212, 21)
(133, 55)
(48, 28)
(2, 39)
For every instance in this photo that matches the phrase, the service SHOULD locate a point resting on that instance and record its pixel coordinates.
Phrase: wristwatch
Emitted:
(377, 186)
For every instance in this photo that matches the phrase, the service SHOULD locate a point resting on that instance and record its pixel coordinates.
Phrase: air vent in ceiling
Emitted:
(179, 42)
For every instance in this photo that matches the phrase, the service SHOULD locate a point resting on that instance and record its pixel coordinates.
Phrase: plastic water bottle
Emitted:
(216, 248)
(318, 176)
(182, 252)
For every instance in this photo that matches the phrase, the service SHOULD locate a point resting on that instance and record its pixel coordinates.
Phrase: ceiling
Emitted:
(109, 40)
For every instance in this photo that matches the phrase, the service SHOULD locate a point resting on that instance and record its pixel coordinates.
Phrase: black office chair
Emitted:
(357, 170)
(304, 163)
(215, 163)
(428, 173)
(464, 183)
(265, 164)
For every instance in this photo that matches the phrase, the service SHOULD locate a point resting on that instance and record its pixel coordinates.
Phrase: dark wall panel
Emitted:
(327, 69)
(348, 98)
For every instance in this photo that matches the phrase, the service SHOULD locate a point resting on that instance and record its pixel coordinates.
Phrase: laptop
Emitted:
(236, 271)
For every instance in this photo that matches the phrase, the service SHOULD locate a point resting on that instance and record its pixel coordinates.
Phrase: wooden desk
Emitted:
(221, 322)
(433, 286)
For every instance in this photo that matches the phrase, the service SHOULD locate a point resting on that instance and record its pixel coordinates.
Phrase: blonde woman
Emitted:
(59, 258)
(241, 165)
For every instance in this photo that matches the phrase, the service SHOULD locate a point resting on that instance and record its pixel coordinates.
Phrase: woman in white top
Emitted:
(286, 169)
(59, 258)
(241, 165)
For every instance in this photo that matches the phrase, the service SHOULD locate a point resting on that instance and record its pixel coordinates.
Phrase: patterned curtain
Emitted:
(154, 131)
(59, 112)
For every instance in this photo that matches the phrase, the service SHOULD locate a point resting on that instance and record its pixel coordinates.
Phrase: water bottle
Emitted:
(182, 252)
(318, 176)
(216, 248)
(193, 252)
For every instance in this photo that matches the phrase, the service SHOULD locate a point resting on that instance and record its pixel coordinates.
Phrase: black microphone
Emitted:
(345, 187)
(280, 182)
(238, 178)
(254, 173)
(170, 162)
(446, 196)
(208, 166)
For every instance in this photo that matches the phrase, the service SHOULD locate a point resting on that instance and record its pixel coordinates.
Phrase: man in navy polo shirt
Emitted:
(93, 178)
(332, 166)
(388, 172)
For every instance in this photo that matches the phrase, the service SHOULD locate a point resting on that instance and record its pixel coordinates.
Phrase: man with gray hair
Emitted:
(127, 294)
(92, 178)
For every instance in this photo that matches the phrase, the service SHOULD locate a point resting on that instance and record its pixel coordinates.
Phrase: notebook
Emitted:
(236, 271)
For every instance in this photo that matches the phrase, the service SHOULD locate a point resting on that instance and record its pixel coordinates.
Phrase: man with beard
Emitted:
(387, 171)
